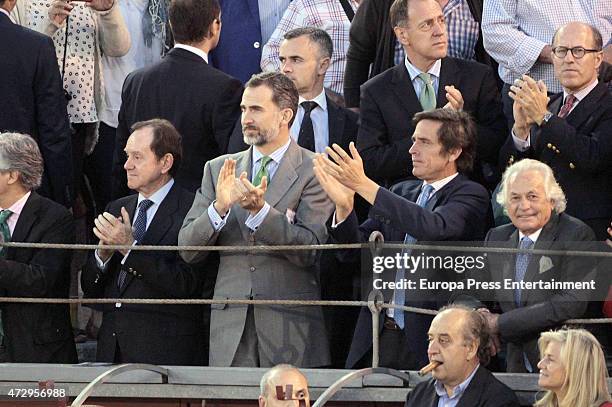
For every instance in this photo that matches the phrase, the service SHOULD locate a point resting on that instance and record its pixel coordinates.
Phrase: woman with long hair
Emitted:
(572, 370)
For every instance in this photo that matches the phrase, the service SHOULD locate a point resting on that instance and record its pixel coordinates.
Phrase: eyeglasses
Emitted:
(577, 52)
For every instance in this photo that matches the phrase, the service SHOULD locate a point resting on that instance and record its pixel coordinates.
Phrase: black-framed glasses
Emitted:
(577, 52)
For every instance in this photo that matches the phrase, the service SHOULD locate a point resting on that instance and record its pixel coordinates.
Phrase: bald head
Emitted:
(283, 378)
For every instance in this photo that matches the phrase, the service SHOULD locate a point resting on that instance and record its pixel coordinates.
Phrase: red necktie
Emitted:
(567, 106)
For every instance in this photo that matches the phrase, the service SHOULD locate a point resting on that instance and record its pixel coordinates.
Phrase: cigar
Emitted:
(431, 366)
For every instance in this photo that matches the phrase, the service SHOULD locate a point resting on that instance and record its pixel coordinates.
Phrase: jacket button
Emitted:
(252, 268)
(114, 334)
(549, 145)
(572, 166)
(256, 44)
(117, 305)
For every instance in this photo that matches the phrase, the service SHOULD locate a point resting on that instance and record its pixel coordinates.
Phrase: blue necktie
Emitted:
(139, 227)
(522, 261)
(400, 295)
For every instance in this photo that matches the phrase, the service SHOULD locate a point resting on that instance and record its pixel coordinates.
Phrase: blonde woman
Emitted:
(572, 370)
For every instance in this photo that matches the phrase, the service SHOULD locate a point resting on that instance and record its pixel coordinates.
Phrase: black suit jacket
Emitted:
(483, 391)
(33, 103)
(579, 150)
(342, 128)
(540, 310)
(38, 333)
(199, 100)
(460, 211)
(156, 334)
(389, 102)
(372, 43)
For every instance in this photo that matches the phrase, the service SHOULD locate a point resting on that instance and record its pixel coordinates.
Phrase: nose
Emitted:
(286, 67)
(439, 28)
(128, 163)
(413, 149)
(541, 364)
(432, 348)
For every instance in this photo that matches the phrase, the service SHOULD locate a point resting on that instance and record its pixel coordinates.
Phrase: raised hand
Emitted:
(226, 192)
(454, 97)
(340, 195)
(101, 5)
(532, 96)
(253, 198)
(59, 11)
(113, 231)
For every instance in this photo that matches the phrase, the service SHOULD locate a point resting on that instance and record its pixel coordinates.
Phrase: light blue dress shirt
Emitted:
(320, 122)
(414, 72)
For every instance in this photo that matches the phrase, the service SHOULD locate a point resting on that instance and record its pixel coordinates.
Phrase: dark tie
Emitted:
(400, 295)
(306, 138)
(139, 227)
(567, 106)
(522, 261)
(5, 232)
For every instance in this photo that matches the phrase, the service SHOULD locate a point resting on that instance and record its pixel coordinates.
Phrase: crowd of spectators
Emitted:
(154, 121)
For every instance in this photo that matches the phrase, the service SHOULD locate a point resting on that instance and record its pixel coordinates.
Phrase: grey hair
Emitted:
(552, 189)
(267, 377)
(315, 35)
(475, 329)
(19, 152)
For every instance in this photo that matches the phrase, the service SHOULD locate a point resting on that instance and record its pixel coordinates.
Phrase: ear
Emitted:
(402, 36)
(454, 154)
(324, 65)
(13, 177)
(261, 401)
(286, 115)
(167, 163)
(598, 60)
(473, 350)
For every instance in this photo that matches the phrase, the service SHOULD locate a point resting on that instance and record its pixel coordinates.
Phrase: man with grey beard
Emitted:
(265, 195)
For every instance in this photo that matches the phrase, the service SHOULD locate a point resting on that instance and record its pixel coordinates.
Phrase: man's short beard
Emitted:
(258, 139)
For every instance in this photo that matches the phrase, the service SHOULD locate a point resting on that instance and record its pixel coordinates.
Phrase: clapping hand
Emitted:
(340, 195)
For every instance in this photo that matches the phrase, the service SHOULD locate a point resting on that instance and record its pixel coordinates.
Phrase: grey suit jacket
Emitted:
(293, 334)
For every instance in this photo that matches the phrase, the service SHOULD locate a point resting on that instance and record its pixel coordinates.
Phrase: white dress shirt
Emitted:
(320, 122)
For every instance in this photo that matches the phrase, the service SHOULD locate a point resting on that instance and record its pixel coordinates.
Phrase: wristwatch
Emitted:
(546, 118)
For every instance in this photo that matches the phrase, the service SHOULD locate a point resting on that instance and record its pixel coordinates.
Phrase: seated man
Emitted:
(281, 384)
(571, 133)
(156, 334)
(535, 204)
(34, 333)
(445, 206)
(458, 342)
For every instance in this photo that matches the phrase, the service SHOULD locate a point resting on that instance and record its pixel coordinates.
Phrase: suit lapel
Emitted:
(404, 90)
(448, 74)
(335, 121)
(586, 107)
(27, 219)
(243, 164)
(162, 220)
(131, 210)
(285, 174)
(508, 265)
(544, 242)
(471, 395)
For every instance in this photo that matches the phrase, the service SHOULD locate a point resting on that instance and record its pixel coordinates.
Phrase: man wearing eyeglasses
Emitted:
(571, 132)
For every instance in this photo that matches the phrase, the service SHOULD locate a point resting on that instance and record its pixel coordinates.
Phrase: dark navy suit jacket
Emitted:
(238, 53)
(459, 211)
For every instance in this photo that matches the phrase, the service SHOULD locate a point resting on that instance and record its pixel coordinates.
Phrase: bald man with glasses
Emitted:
(571, 131)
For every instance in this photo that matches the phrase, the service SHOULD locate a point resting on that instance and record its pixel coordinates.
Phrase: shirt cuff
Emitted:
(519, 143)
(101, 264)
(334, 225)
(217, 221)
(253, 222)
(128, 253)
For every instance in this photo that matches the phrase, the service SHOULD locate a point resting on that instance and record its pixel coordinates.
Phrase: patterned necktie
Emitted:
(306, 137)
(400, 295)
(428, 94)
(5, 232)
(522, 261)
(139, 227)
(567, 106)
(263, 171)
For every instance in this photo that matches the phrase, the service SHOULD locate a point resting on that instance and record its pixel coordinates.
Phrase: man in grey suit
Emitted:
(276, 200)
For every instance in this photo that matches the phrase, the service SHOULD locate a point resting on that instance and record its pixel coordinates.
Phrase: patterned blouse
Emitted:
(80, 56)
